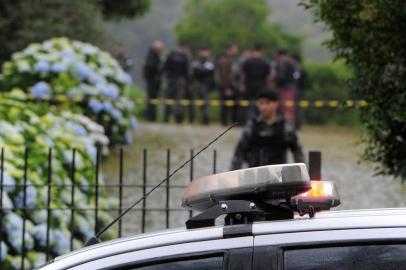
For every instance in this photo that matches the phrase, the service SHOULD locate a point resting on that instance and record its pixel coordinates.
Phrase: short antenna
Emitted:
(96, 239)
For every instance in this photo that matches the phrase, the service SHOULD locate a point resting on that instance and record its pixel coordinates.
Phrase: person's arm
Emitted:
(294, 144)
(240, 153)
(243, 77)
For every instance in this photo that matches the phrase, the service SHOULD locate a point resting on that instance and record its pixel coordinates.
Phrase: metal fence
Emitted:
(120, 185)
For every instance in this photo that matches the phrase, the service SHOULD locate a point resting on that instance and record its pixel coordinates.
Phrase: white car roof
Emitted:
(324, 221)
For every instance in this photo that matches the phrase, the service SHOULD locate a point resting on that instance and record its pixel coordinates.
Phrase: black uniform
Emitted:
(203, 73)
(152, 75)
(256, 71)
(177, 72)
(263, 144)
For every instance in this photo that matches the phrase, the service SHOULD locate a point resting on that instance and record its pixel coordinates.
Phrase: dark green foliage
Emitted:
(329, 82)
(216, 23)
(370, 36)
(113, 9)
(25, 21)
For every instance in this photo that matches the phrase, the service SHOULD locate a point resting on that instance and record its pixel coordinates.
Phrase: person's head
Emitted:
(267, 103)
(232, 49)
(246, 54)
(282, 53)
(184, 47)
(258, 51)
(204, 52)
(158, 46)
(296, 58)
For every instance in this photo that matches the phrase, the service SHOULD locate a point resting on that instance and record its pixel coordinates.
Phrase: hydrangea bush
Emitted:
(40, 127)
(97, 85)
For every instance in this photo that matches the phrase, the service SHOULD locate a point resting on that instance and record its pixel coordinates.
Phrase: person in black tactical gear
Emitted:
(203, 73)
(266, 139)
(255, 75)
(227, 73)
(176, 68)
(284, 70)
(152, 74)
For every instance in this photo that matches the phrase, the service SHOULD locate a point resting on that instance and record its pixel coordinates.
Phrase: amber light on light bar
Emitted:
(322, 196)
(320, 189)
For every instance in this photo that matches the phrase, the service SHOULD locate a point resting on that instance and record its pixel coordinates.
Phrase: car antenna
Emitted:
(96, 239)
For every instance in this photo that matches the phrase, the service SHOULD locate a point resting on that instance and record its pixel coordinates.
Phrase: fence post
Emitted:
(168, 168)
(96, 209)
(72, 213)
(191, 175)
(120, 179)
(144, 189)
(214, 161)
(1, 195)
(24, 206)
(48, 202)
(315, 165)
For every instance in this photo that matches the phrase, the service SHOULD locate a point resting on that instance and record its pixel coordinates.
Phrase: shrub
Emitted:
(92, 78)
(40, 127)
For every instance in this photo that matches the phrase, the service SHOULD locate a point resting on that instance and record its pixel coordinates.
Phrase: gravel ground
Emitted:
(357, 185)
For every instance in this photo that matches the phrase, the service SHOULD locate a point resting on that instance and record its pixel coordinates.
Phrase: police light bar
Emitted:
(265, 183)
(322, 196)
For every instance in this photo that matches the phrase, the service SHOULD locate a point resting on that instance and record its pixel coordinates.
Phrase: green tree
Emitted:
(26, 21)
(216, 23)
(369, 34)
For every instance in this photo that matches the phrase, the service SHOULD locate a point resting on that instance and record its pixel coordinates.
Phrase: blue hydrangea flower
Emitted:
(109, 90)
(59, 242)
(124, 77)
(128, 138)
(77, 128)
(4, 251)
(133, 122)
(84, 227)
(108, 107)
(40, 234)
(8, 182)
(96, 78)
(81, 71)
(40, 90)
(58, 67)
(12, 223)
(68, 56)
(31, 195)
(91, 150)
(42, 66)
(48, 44)
(95, 105)
(16, 239)
(116, 114)
(7, 202)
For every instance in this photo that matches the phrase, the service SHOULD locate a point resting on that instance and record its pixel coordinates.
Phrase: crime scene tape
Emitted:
(199, 102)
(246, 103)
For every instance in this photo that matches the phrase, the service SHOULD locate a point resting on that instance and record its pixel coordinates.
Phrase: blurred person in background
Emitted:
(118, 53)
(255, 75)
(227, 74)
(153, 76)
(299, 86)
(266, 139)
(177, 73)
(203, 74)
(284, 70)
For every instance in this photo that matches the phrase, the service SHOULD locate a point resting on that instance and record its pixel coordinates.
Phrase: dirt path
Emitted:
(357, 186)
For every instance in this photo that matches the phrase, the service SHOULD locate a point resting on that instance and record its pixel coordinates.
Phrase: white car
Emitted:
(269, 224)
